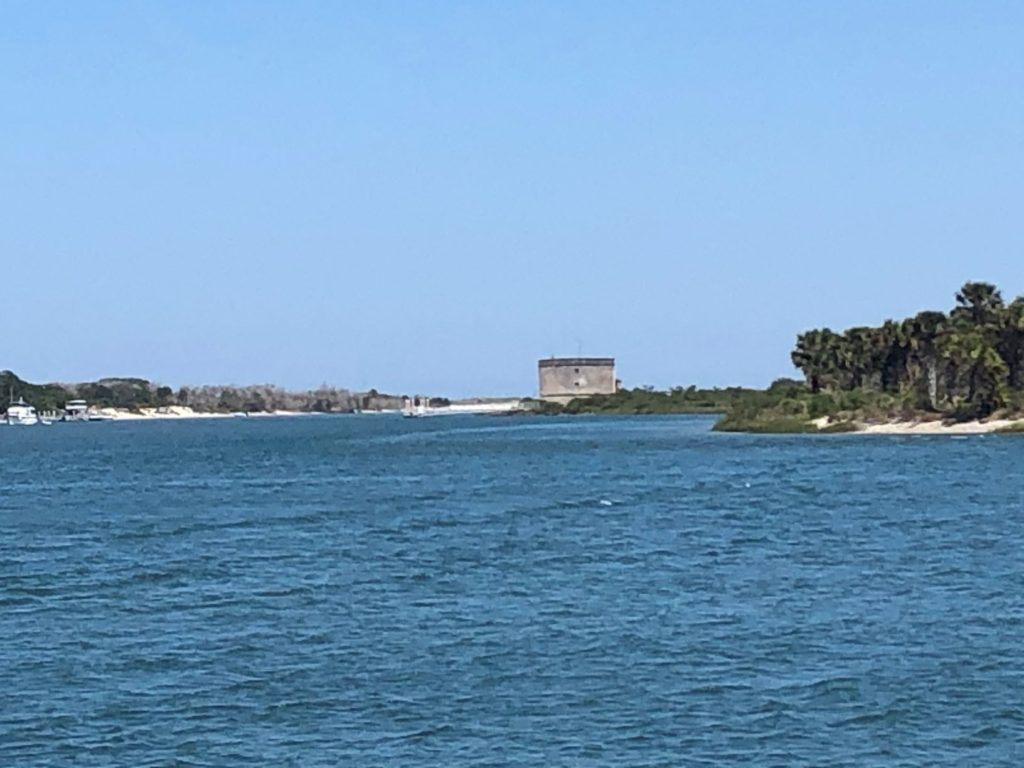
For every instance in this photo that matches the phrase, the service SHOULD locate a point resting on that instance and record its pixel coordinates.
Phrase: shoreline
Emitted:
(822, 425)
(925, 426)
(183, 412)
(175, 412)
(977, 427)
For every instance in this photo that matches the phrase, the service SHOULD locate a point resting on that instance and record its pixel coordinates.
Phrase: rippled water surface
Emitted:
(474, 591)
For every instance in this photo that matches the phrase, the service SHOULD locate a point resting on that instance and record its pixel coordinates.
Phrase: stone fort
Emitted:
(563, 378)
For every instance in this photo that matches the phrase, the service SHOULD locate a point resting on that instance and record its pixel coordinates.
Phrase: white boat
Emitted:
(21, 414)
(76, 410)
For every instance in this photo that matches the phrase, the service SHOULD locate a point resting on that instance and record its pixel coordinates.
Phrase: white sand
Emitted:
(481, 407)
(936, 427)
(932, 427)
(184, 412)
(494, 406)
(176, 412)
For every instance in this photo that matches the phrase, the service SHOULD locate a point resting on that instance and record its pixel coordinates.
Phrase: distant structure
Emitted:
(563, 378)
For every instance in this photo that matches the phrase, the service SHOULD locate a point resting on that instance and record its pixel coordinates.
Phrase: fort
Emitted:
(564, 378)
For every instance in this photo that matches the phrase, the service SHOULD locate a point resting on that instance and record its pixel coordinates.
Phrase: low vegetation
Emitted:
(45, 397)
(789, 406)
(646, 400)
(786, 406)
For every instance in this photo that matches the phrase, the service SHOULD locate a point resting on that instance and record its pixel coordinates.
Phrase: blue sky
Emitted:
(430, 196)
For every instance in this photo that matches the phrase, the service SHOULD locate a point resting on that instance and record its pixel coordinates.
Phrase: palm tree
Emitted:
(923, 332)
(816, 355)
(1011, 341)
(977, 371)
(856, 347)
(893, 354)
(972, 358)
(980, 303)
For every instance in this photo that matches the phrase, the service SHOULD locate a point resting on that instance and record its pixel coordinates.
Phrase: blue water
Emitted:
(482, 591)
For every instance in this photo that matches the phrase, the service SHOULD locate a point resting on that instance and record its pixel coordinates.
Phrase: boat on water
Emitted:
(76, 410)
(81, 411)
(21, 414)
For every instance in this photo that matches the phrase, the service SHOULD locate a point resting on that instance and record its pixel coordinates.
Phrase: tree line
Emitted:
(969, 360)
(134, 393)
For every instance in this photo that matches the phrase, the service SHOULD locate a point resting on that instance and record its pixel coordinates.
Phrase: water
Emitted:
(479, 591)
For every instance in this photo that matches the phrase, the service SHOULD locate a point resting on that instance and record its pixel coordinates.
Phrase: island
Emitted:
(955, 371)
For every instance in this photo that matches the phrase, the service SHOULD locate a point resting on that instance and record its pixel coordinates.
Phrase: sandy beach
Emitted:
(184, 412)
(938, 427)
(930, 427)
(483, 406)
(179, 412)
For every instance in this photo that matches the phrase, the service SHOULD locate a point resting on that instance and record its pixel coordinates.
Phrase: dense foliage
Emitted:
(792, 407)
(121, 393)
(967, 362)
(261, 398)
(45, 397)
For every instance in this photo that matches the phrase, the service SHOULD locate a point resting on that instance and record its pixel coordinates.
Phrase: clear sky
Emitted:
(427, 197)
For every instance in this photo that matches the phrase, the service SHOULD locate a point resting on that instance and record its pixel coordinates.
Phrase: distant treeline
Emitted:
(132, 393)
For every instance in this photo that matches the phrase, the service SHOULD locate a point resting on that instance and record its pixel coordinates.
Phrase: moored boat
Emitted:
(21, 413)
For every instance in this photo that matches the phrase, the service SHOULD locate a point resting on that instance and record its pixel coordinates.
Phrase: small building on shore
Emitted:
(564, 378)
